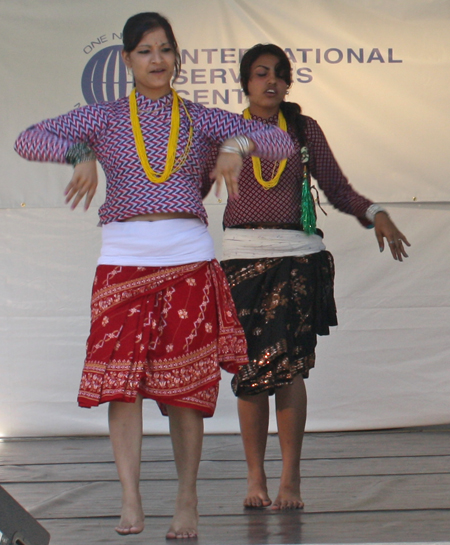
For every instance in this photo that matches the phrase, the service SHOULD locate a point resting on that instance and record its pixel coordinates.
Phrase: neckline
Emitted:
(147, 104)
(272, 120)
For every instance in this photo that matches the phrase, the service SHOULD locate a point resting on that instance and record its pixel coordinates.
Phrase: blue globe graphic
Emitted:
(105, 76)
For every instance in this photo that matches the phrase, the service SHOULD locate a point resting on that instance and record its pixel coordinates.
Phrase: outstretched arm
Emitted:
(83, 183)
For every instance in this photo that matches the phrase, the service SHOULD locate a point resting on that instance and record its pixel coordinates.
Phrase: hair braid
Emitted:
(294, 118)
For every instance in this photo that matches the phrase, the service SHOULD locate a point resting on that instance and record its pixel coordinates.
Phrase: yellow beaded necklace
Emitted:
(257, 161)
(172, 144)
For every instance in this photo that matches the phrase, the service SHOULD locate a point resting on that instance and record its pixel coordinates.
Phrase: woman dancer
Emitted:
(280, 274)
(162, 316)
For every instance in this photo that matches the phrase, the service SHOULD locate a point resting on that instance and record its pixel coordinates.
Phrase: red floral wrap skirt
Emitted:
(162, 332)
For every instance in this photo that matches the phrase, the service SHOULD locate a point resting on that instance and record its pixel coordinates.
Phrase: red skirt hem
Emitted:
(191, 401)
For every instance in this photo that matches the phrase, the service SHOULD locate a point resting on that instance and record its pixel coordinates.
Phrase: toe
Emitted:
(256, 502)
(181, 534)
(122, 531)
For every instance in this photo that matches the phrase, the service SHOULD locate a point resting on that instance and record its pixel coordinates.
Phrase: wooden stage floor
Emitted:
(359, 487)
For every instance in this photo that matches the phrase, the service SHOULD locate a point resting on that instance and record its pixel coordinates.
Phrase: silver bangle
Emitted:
(229, 149)
(244, 144)
(373, 210)
(243, 149)
(79, 153)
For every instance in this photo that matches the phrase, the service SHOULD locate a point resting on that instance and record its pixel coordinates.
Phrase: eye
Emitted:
(261, 74)
(166, 49)
(143, 51)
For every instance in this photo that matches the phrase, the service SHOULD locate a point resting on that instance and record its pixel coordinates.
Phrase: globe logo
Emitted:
(105, 76)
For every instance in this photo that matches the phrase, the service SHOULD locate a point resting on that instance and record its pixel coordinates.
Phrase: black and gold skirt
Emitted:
(283, 304)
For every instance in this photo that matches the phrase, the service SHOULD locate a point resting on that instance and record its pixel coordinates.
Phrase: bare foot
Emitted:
(185, 520)
(257, 495)
(132, 519)
(288, 498)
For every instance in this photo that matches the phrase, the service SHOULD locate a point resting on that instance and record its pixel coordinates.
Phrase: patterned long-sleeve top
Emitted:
(282, 203)
(107, 129)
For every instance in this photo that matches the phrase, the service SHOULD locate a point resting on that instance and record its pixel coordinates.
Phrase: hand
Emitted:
(228, 166)
(386, 229)
(84, 182)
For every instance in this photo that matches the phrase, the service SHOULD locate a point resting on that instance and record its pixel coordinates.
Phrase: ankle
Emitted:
(260, 479)
(187, 498)
(256, 474)
(290, 483)
(132, 498)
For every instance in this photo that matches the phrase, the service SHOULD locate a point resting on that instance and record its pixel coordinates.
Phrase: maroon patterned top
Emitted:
(281, 204)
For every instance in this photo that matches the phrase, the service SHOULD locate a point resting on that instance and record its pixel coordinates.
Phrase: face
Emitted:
(265, 90)
(152, 63)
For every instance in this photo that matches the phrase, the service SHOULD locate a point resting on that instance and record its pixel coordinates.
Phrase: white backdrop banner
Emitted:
(375, 74)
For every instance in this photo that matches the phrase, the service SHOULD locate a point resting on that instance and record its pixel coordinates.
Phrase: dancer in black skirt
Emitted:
(280, 274)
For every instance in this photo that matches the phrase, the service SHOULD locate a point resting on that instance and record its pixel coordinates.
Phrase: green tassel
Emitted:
(308, 207)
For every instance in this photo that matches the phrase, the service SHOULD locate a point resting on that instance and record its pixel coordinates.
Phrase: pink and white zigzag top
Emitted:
(106, 128)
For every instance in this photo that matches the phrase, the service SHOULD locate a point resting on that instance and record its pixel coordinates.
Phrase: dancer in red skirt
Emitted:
(163, 320)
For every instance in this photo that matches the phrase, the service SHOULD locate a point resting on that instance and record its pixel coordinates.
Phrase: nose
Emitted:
(156, 57)
(271, 77)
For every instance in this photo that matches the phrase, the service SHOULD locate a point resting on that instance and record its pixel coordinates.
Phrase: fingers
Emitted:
(89, 196)
(77, 198)
(397, 249)
(218, 183)
(76, 192)
(232, 187)
(77, 189)
(380, 240)
(227, 170)
(403, 238)
(69, 192)
(83, 183)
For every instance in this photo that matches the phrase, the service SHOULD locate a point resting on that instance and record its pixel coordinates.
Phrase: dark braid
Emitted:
(294, 118)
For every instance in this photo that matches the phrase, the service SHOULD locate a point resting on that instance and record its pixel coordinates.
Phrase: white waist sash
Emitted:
(156, 243)
(259, 243)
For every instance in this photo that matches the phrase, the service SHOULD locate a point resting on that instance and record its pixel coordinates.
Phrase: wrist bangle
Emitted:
(243, 149)
(79, 153)
(373, 210)
(229, 149)
(244, 144)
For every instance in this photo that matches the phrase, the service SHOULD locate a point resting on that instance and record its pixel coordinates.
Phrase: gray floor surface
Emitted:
(358, 487)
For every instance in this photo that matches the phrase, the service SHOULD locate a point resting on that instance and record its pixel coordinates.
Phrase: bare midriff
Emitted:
(161, 216)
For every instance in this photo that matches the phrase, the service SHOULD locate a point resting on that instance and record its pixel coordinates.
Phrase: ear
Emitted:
(126, 58)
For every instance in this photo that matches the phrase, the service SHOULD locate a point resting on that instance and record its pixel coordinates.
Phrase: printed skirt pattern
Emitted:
(282, 303)
(162, 332)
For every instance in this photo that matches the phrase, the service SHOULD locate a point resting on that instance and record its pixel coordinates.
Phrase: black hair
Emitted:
(283, 69)
(291, 111)
(138, 25)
